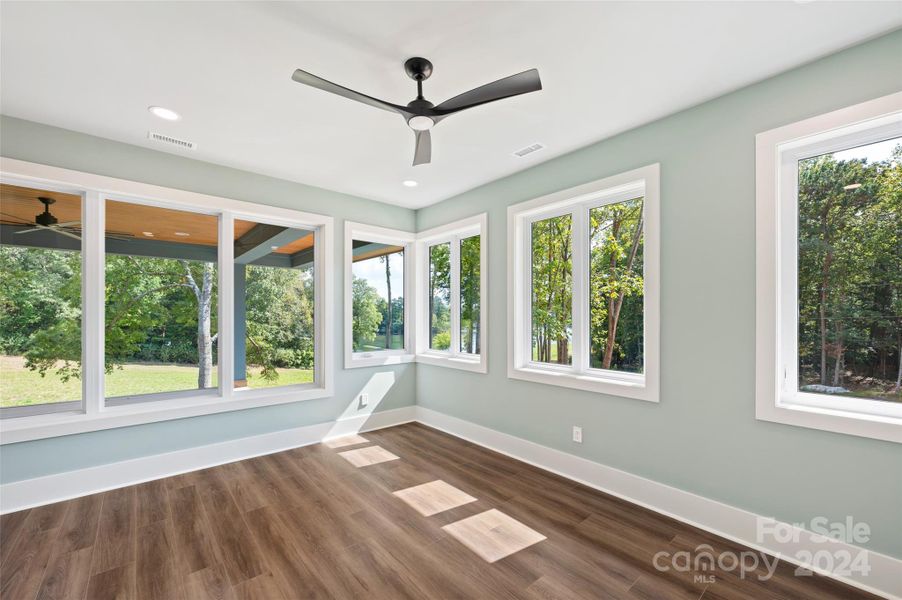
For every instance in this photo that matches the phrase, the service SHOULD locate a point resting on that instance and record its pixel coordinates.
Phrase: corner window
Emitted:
(139, 303)
(453, 280)
(832, 247)
(584, 287)
(377, 262)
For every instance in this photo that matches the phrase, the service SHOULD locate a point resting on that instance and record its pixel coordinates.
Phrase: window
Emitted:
(584, 287)
(161, 323)
(829, 274)
(40, 301)
(452, 282)
(274, 305)
(376, 307)
(115, 308)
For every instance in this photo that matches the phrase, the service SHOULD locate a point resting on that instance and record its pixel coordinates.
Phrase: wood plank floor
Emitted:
(306, 523)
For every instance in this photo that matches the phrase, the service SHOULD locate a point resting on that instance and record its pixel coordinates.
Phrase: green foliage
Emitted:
(279, 319)
(552, 289)
(616, 286)
(441, 340)
(470, 295)
(366, 311)
(40, 308)
(440, 296)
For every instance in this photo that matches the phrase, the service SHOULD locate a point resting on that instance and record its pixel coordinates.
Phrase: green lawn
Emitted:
(20, 386)
(378, 343)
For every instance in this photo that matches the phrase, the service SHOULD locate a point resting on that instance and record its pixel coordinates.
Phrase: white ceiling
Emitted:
(226, 67)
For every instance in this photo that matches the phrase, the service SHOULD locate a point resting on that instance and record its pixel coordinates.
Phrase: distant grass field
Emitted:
(378, 343)
(21, 387)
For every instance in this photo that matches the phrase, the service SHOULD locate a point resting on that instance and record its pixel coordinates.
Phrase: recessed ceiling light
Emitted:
(409, 183)
(182, 234)
(164, 113)
(852, 186)
(147, 233)
(274, 247)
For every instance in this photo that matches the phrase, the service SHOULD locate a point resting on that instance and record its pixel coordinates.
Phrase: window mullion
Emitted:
(580, 262)
(93, 301)
(455, 295)
(226, 314)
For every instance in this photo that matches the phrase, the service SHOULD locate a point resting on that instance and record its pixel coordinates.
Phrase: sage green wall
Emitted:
(49, 145)
(703, 436)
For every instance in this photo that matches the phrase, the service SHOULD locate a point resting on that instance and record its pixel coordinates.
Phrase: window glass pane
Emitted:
(440, 297)
(552, 290)
(850, 272)
(378, 296)
(274, 342)
(616, 286)
(469, 295)
(161, 300)
(40, 297)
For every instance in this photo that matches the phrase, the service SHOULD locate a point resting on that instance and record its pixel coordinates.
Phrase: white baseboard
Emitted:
(19, 495)
(738, 525)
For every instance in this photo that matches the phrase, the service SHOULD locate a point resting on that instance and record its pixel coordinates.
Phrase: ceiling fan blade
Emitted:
(521, 83)
(65, 233)
(68, 224)
(423, 152)
(327, 86)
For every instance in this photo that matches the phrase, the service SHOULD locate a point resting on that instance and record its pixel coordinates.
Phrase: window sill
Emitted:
(876, 427)
(37, 427)
(377, 359)
(626, 385)
(473, 363)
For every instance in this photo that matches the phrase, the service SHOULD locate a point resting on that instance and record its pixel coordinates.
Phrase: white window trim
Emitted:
(381, 235)
(452, 233)
(95, 415)
(579, 376)
(777, 398)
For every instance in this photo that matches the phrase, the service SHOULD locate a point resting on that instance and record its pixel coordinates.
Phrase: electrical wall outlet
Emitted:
(364, 400)
(577, 434)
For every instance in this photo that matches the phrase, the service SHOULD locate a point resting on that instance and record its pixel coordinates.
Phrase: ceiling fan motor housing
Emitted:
(45, 218)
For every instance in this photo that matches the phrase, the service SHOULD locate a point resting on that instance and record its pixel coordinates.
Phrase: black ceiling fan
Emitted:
(46, 221)
(420, 114)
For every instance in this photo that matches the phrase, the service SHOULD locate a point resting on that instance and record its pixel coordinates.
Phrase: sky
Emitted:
(872, 152)
(373, 270)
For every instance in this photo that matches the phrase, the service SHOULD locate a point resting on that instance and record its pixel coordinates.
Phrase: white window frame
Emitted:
(393, 237)
(644, 181)
(95, 414)
(452, 233)
(777, 397)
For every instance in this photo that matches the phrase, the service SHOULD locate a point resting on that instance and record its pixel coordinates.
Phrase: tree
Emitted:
(469, 294)
(552, 272)
(365, 310)
(849, 278)
(440, 296)
(616, 259)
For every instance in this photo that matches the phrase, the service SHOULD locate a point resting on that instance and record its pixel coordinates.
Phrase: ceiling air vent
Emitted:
(528, 150)
(166, 139)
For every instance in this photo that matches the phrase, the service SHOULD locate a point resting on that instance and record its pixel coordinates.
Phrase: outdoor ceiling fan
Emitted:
(420, 114)
(46, 221)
